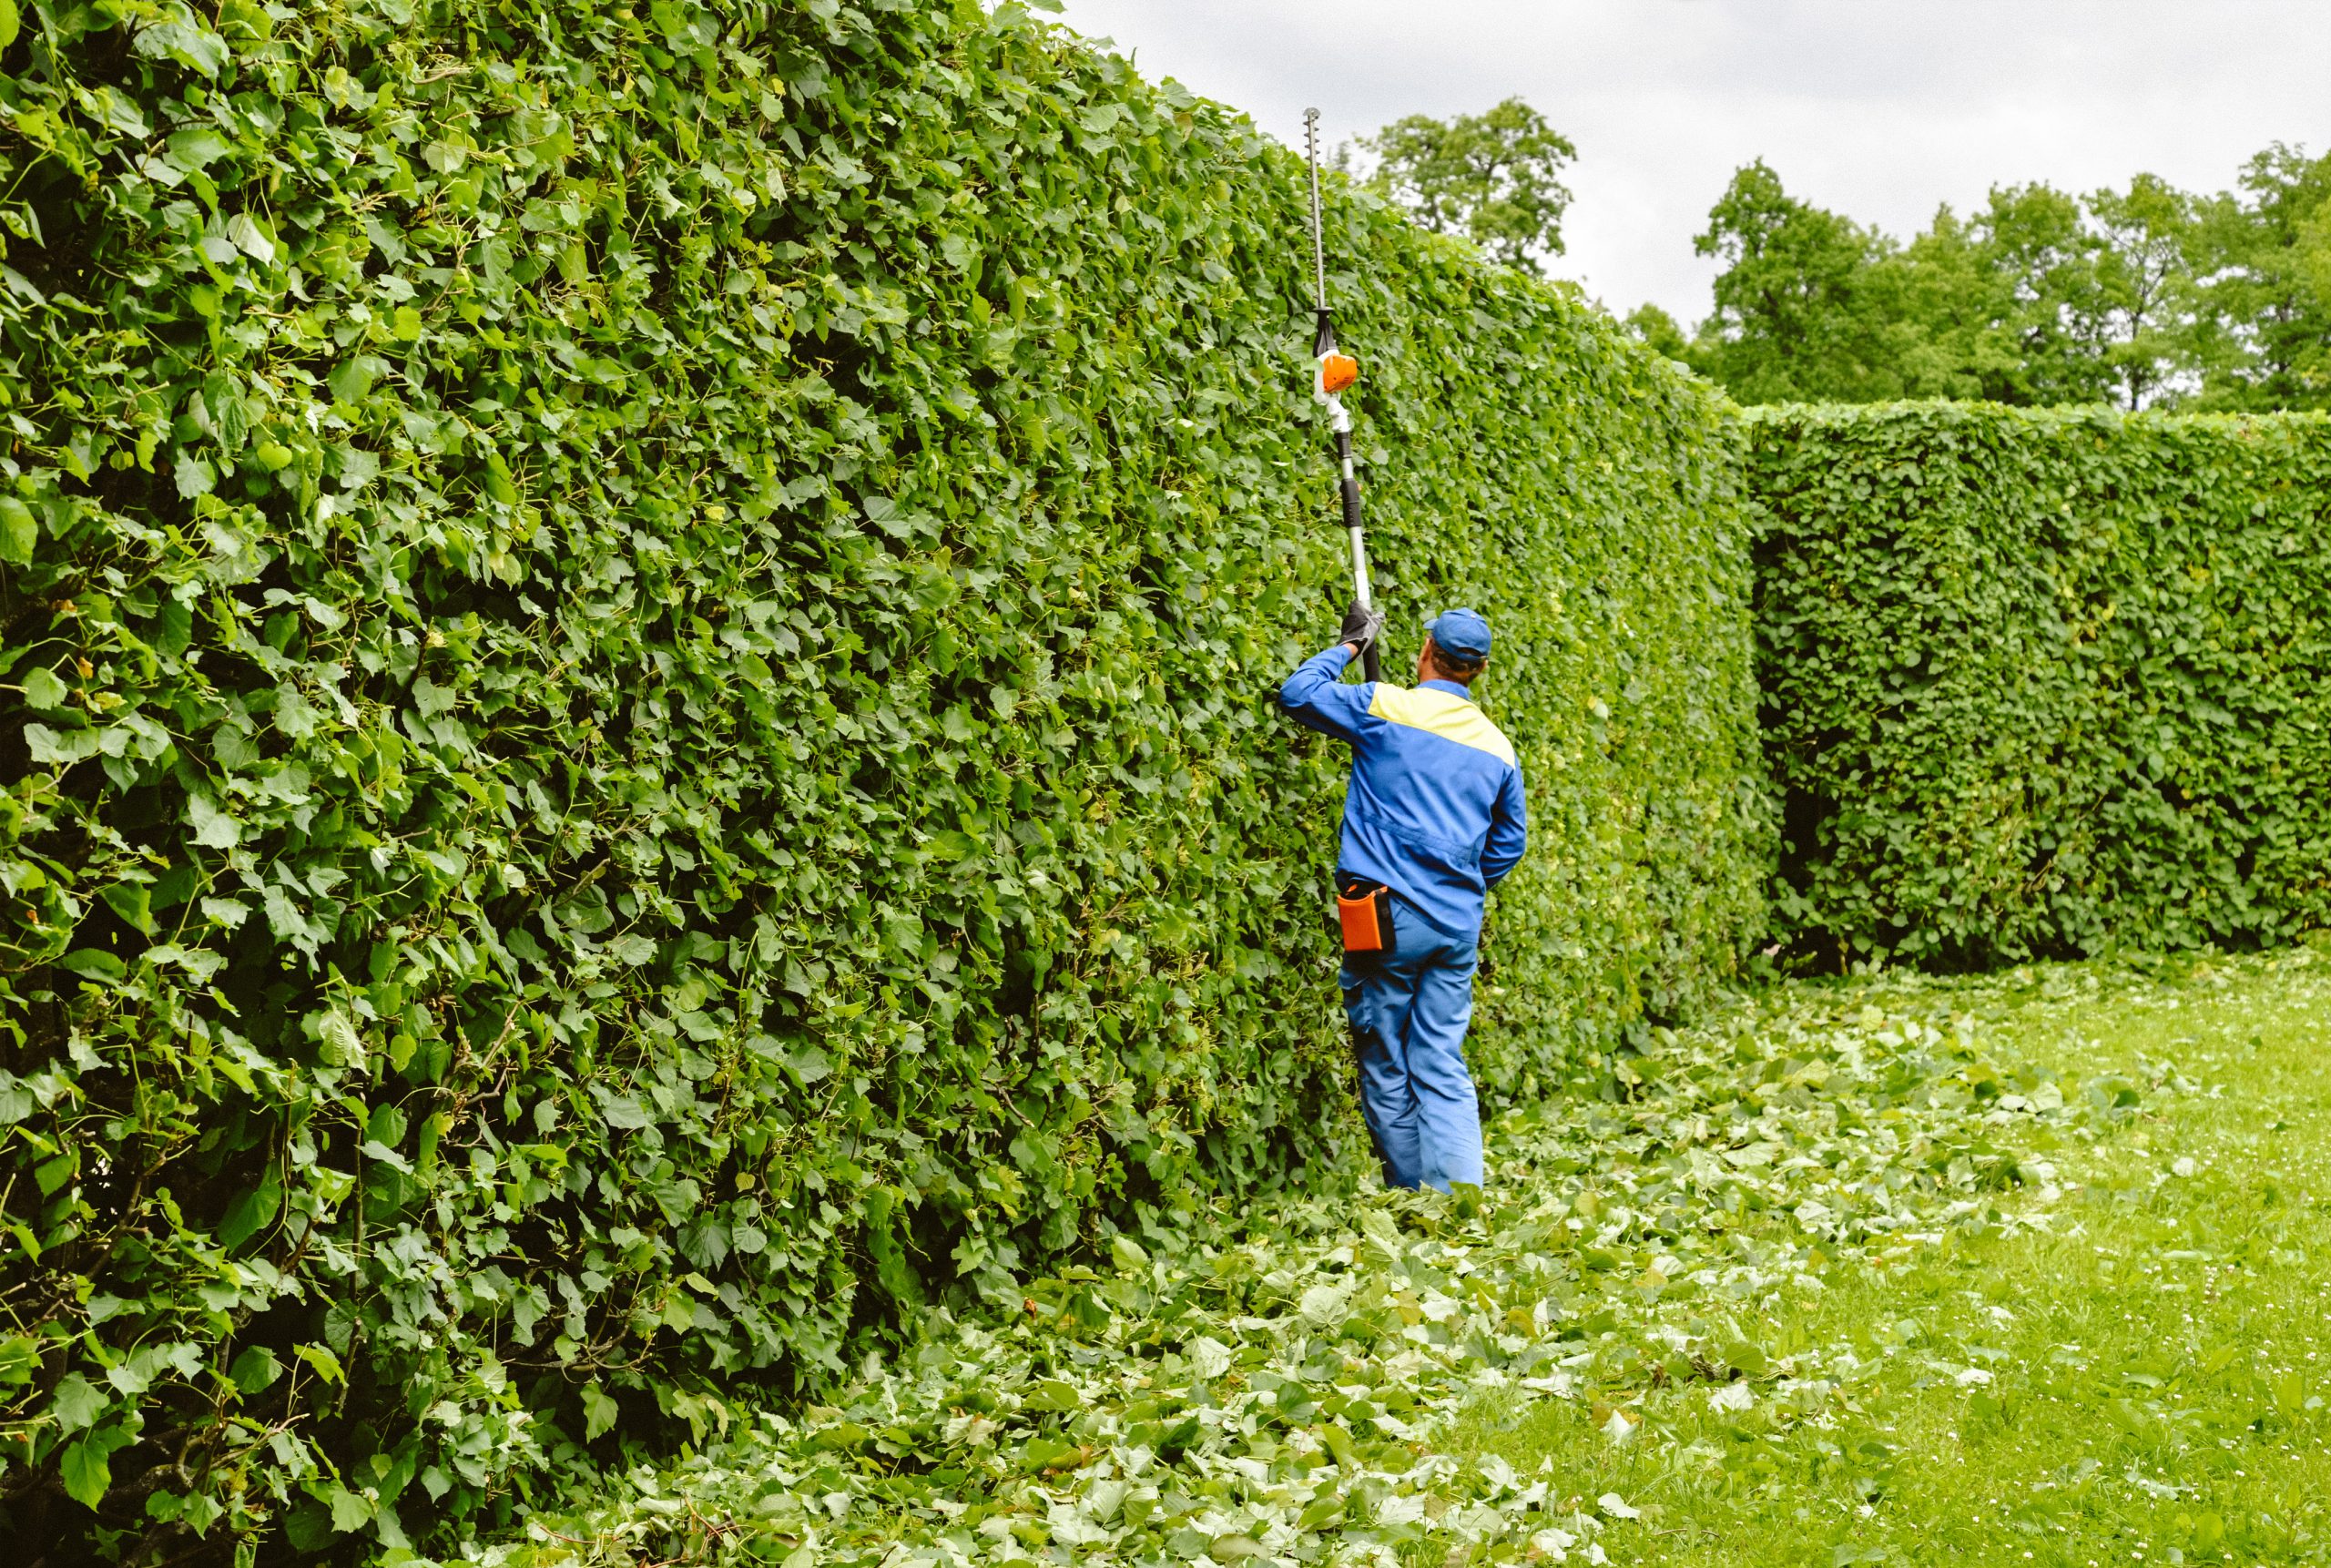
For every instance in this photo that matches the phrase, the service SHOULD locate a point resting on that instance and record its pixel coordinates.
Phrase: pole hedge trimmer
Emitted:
(1335, 371)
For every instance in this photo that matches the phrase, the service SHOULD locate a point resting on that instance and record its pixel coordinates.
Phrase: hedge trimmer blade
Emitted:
(1336, 371)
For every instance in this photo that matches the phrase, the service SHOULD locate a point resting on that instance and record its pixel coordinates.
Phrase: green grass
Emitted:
(2009, 1269)
(2152, 1363)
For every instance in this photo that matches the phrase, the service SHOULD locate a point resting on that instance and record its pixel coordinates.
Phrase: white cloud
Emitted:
(1878, 109)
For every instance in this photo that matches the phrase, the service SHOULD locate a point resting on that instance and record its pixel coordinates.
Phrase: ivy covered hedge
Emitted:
(2040, 683)
(636, 713)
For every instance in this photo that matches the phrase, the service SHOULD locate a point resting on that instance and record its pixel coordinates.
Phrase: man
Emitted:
(1434, 812)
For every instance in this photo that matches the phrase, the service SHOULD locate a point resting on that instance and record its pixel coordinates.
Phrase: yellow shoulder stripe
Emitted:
(1440, 713)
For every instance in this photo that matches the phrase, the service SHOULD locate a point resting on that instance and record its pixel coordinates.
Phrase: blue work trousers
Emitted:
(1410, 1010)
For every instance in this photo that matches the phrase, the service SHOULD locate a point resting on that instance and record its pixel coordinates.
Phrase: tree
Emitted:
(2139, 296)
(2038, 298)
(2050, 307)
(2263, 261)
(1494, 178)
(2146, 281)
(1945, 303)
(2308, 342)
(1658, 330)
(1798, 314)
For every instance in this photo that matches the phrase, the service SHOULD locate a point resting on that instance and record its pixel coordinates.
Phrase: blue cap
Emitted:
(1460, 633)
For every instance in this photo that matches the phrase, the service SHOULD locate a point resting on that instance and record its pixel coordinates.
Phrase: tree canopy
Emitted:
(2138, 296)
(1494, 178)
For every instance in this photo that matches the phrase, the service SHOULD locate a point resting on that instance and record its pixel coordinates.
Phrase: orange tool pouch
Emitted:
(1364, 911)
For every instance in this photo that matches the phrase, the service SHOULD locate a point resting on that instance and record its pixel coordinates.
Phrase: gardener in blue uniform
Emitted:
(1434, 812)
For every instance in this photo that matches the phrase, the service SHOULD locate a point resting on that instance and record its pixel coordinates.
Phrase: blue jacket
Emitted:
(1434, 811)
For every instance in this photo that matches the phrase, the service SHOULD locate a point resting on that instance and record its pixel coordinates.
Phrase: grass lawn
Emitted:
(2010, 1269)
(2141, 1379)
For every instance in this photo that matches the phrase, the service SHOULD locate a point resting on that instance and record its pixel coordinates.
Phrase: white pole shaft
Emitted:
(1339, 421)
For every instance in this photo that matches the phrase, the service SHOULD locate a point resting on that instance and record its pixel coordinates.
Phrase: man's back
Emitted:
(1435, 808)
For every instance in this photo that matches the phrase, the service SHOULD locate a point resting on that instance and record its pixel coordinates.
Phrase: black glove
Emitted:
(1362, 626)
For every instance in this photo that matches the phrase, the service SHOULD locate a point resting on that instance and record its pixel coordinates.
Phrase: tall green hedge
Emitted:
(635, 712)
(2042, 682)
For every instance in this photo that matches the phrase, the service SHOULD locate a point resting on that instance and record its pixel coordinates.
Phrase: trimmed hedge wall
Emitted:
(2040, 683)
(635, 710)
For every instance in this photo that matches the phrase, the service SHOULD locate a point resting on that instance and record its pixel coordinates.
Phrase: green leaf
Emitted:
(307, 1525)
(19, 532)
(19, 1360)
(77, 1404)
(599, 1413)
(186, 41)
(49, 747)
(350, 381)
(193, 477)
(1053, 1395)
(91, 963)
(213, 827)
(623, 1111)
(255, 1370)
(176, 627)
(43, 691)
(133, 903)
(252, 1211)
(190, 150)
(350, 1510)
(251, 239)
(325, 1364)
(8, 23)
(86, 1465)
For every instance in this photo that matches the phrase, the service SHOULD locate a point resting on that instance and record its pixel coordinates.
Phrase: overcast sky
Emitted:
(1877, 108)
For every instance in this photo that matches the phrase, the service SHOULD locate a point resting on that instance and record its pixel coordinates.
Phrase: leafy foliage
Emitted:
(2044, 682)
(1494, 178)
(638, 731)
(1791, 318)
(2265, 268)
(1286, 1391)
(2142, 296)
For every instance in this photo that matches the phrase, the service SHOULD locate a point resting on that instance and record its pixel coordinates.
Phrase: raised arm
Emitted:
(1509, 829)
(1319, 700)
